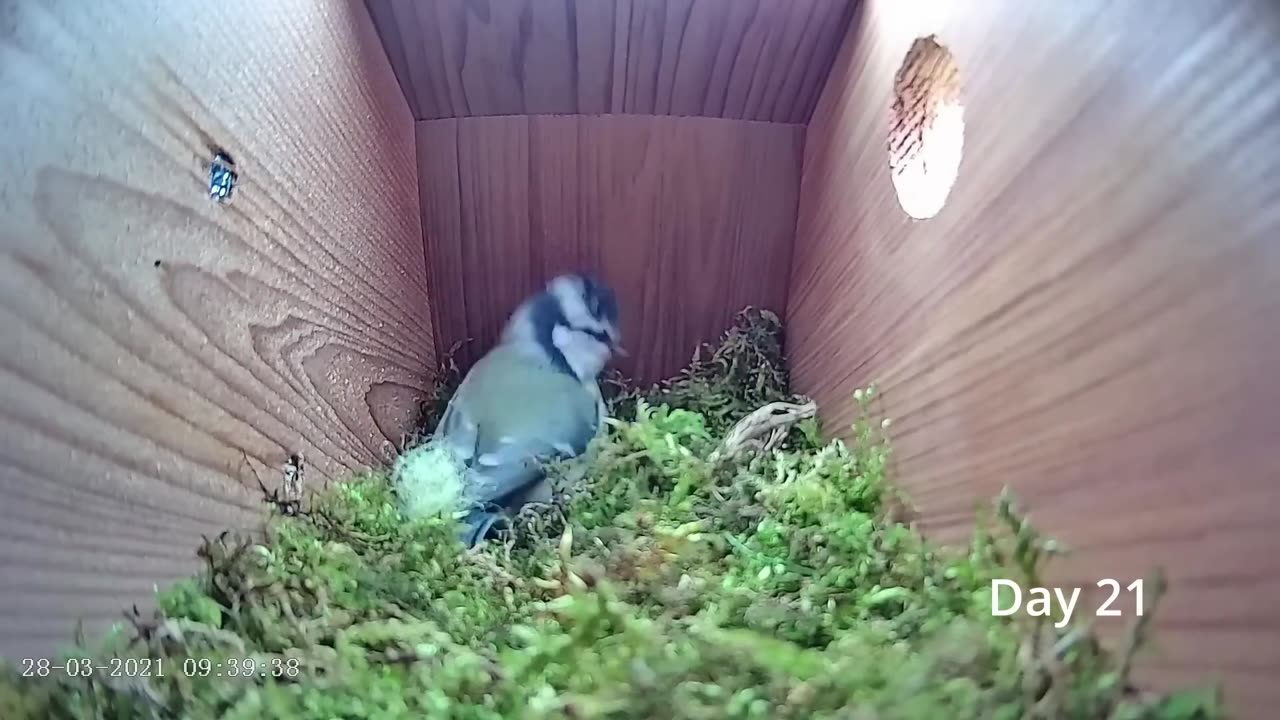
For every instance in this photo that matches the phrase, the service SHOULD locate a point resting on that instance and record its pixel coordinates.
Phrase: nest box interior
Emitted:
(239, 236)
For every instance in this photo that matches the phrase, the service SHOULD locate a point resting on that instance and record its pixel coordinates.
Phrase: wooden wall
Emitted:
(152, 338)
(742, 59)
(690, 219)
(1092, 317)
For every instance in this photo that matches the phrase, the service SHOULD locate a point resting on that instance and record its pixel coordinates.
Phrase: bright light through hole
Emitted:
(926, 136)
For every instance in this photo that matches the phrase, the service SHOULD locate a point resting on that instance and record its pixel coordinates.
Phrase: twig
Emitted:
(1136, 639)
(287, 498)
(772, 420)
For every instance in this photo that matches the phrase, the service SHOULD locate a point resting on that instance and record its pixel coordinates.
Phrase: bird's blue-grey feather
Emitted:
(501, 452)
(522, 405)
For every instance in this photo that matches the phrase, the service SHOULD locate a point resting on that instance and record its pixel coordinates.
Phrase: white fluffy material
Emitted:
(429, 480)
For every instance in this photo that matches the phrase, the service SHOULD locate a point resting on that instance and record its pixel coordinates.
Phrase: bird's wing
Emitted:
(504, 464)
(504, 470)
(497, 467)
(502, 450)
(462, 432)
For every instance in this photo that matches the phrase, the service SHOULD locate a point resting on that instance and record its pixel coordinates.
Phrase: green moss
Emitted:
(663, 582)
(724, 382)
(187, 598)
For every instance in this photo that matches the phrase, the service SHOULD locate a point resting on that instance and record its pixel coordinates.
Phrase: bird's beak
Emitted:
(619, 350)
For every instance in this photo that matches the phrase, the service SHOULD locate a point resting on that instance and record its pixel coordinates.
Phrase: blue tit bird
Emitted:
(533, 398)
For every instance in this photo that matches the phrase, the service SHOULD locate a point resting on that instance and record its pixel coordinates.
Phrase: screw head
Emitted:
(222, 178)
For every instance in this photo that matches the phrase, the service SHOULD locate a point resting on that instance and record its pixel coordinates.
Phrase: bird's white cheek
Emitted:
(586, 355)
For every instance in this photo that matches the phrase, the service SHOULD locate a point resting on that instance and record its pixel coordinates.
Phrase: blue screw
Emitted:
(222, 178)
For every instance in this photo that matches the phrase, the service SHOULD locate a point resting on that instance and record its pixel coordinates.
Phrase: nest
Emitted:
(712, 557)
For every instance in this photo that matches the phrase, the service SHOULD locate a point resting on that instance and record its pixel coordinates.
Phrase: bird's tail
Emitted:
(481, 521)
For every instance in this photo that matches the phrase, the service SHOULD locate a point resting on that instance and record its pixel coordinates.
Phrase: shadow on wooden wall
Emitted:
(1092, 317)
(691, 219)
(150, 339)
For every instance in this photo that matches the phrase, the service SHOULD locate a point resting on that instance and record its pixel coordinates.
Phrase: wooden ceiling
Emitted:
(741, 59)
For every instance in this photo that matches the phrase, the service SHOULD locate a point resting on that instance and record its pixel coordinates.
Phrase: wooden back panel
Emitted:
(1094, 316)
(690, 219)
(152, 341)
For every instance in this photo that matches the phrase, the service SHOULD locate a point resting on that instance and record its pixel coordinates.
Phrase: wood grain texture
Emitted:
(152, 338)
(1091, 319)
(690, 219)
(739, 59)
